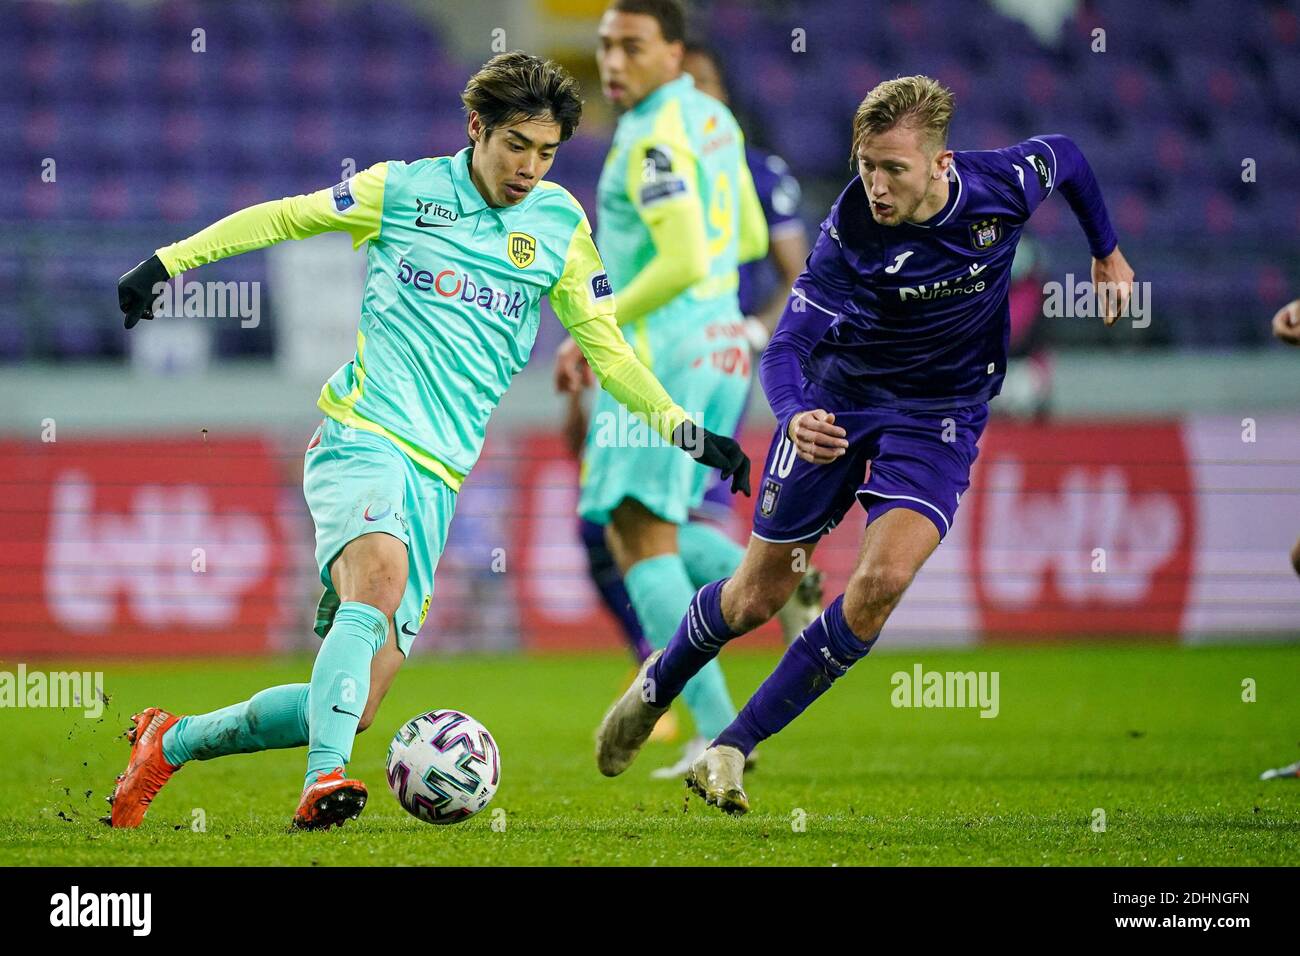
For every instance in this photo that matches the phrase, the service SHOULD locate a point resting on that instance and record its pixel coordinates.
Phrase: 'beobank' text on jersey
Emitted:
(451, 303)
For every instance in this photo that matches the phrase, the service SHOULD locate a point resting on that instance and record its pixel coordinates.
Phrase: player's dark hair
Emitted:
(517, 86)
(668, 13)
(697, 48)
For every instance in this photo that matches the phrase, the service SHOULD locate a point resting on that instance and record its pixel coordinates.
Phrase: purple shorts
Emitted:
(919, 460)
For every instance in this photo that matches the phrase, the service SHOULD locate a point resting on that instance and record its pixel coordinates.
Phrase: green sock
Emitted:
(271, 719)
(340, 684)
(708, 553)
(661, 591)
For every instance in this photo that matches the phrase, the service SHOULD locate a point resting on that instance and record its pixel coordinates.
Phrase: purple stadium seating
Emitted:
(153, 138)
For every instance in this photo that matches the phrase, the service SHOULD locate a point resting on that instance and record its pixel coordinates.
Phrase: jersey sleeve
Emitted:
(354, 206)
(662, 178)
(780, 193)
(817, 298)
(827, 279)
(752, 218)
(1051, 162)
(1034, 166)
(663, 187)
(584, 303)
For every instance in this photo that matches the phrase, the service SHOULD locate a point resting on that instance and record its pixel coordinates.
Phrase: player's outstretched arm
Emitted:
(623, 375)
(139, 289)
(1053, 162)
(584, 303)
(354, 206)
(1112, 283)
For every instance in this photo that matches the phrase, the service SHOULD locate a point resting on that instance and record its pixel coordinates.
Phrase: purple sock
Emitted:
(819, 656)
(697, 641)
(609, 582)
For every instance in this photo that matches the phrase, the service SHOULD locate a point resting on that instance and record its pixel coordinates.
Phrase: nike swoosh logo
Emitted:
(432, 225)
(336, 710)
(898, 263)
(409, 633)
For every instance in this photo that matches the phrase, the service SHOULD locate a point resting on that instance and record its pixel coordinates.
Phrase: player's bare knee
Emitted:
(876, 588)
(751, 605)
(377, 581)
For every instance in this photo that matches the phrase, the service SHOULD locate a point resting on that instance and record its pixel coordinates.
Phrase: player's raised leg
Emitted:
(767, 576)
(660, 589)
(272, 719)
(895, 546)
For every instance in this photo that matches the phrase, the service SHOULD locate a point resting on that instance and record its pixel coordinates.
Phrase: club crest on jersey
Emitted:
(522, 249)
(985, 233)
(767, 503)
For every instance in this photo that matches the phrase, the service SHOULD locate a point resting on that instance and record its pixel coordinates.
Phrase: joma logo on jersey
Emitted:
(522, 249)
(457, 285)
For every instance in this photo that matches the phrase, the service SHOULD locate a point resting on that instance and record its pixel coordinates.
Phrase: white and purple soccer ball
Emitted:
(443, 766)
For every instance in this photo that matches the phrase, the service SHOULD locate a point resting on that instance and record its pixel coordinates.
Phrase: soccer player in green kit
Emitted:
(460, 250)
(678, 213)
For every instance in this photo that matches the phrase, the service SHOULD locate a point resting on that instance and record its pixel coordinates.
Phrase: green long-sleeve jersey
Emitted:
(451, 303)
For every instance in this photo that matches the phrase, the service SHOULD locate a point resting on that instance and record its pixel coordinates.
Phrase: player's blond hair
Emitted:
(917, 102)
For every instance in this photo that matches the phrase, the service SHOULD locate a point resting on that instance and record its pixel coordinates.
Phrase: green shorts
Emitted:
(707, 371)
(358, 483)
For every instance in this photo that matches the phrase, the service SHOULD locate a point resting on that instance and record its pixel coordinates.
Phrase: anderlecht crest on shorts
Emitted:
(522, 249)
(985, 233)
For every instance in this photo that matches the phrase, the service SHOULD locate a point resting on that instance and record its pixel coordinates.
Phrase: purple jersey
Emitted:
(778, 192)
(915, 316)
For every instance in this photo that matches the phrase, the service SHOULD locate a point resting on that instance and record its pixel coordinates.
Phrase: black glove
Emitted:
(135, 290)
(714, 451)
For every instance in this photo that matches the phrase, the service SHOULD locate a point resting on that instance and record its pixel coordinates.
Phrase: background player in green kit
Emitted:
(678, 213)
(460, 250)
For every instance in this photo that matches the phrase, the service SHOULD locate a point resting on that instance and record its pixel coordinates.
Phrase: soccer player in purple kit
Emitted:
(891, 345)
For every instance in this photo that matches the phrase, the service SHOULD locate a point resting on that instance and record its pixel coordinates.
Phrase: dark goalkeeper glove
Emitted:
(135, 293)
(714, 451)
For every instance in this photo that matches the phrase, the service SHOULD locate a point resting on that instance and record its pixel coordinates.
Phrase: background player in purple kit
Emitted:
(892, 343)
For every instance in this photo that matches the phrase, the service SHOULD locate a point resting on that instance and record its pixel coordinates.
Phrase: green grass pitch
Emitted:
(1157, 737)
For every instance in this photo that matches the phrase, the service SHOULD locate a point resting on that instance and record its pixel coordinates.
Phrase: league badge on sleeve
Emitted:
(600, 286)
(985, 233)
(343, 200)
(1040, 169)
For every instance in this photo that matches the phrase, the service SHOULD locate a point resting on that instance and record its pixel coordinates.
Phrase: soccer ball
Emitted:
(443, 766)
